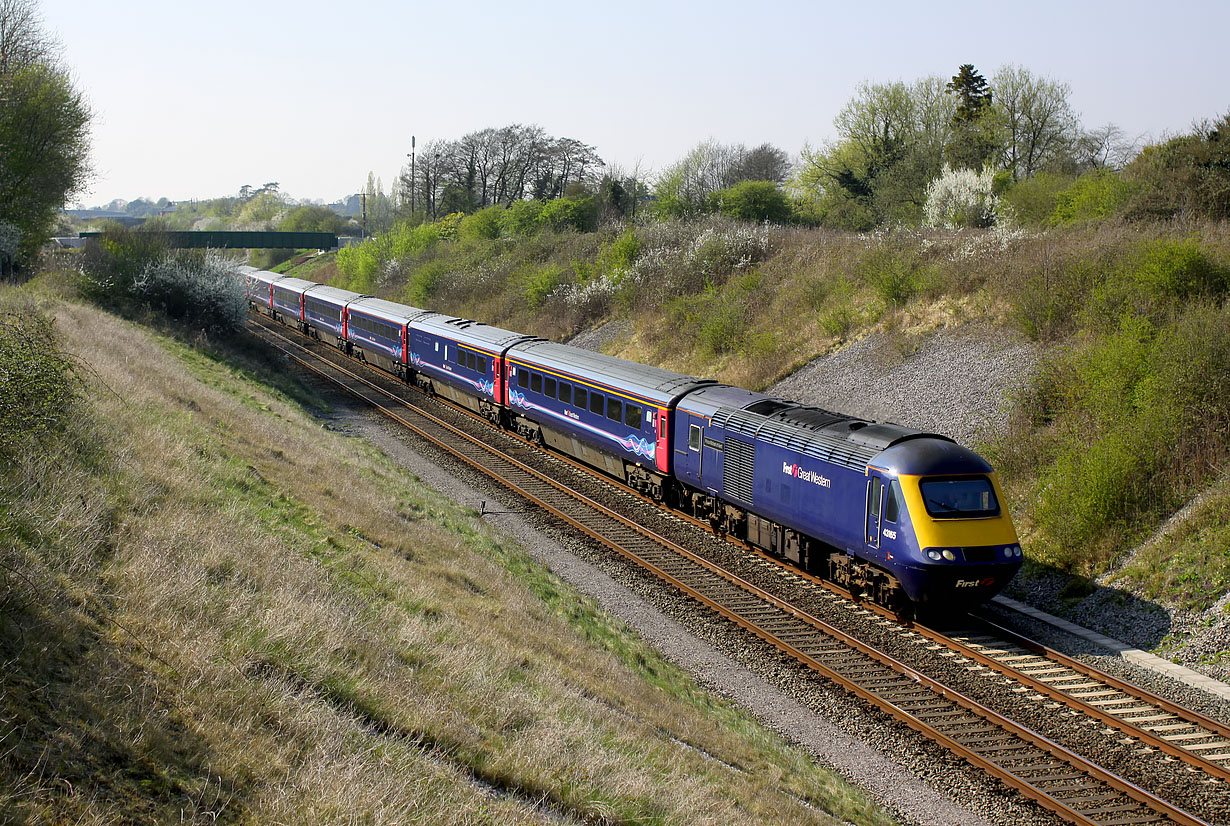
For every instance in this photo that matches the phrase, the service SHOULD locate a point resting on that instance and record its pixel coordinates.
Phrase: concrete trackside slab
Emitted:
(1143, 658)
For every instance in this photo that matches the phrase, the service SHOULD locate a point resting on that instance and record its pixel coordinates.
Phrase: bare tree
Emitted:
(1040, 126)
(22, 39)
(763, 163)
(1106, 147)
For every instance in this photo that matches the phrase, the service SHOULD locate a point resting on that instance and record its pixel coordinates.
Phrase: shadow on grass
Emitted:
(86, 731)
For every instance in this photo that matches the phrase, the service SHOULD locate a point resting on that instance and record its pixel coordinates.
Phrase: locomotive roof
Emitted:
(475, 333)
(388, 310)
(931, 457)
(825, 435)
(653, 383)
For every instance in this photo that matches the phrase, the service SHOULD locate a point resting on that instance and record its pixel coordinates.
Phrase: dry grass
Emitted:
(198, 626)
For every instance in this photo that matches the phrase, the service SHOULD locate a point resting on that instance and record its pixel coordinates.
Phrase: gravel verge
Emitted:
(953, 381)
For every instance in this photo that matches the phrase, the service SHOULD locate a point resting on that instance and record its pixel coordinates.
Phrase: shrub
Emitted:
(1154, 278)
(482, 225)
(541, 283)
(895, 276)
(197, 287)
(1094, 195)
(753, 201)
(112, 262)
(1033, 200)
(37, 381)
(521, 218)
(962, 198)
(579, 214)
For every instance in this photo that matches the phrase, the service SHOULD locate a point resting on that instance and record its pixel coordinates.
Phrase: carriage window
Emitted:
(548, 389)
(522, 380)
(482, 364)
(614, 410)
(694, 437)
(536, 382)
(595, 403)
(632, 416)
(578, 397)
(565, 392)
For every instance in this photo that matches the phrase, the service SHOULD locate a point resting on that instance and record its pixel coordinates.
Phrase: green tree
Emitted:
(44, 130)
(891, 144)
(1040, 128)
(973, 142)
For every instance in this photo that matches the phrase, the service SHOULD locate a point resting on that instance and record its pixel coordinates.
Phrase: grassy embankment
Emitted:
(198, 625)
(1127, 418)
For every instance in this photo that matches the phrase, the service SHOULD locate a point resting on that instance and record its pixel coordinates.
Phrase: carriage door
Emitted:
(874, 498)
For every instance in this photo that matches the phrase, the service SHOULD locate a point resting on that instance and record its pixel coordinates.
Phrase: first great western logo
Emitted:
(802, 475)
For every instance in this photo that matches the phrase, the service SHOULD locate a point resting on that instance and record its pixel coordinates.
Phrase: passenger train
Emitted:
(896, 516)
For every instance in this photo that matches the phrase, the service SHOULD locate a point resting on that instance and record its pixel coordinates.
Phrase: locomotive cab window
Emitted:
(694, 437)
(892, 502)
(962, 497)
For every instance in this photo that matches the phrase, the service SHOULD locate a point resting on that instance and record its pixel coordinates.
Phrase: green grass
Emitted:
(200, 626)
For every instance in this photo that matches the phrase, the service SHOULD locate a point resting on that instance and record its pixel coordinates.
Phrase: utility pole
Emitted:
(412, 176)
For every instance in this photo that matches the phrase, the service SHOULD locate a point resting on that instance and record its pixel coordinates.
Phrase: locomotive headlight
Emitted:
(949, 555)
(1017, 550)
(934, 554)
(1008, 552)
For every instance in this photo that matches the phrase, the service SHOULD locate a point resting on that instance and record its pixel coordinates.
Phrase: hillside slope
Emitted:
(1081, 360)
(200, 624)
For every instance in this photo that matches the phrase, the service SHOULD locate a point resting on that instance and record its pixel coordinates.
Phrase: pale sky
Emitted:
(196, 99)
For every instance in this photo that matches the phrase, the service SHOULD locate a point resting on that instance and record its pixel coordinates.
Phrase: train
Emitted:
(900, 517)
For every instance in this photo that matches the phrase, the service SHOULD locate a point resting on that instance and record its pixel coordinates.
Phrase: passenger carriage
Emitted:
(258, 285)
(462, 361)
(287, 297)
(324, 313)
(376, 333)
(609, 413)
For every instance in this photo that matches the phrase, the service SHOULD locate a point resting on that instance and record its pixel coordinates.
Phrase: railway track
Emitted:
(1048, 773)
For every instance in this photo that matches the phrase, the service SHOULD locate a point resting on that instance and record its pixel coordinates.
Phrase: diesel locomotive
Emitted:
(898, 516)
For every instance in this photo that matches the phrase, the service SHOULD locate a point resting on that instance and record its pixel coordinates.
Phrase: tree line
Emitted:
(44, 134)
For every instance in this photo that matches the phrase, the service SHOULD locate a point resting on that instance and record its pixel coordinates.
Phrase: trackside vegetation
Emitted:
(198, 626)
(1124, 420)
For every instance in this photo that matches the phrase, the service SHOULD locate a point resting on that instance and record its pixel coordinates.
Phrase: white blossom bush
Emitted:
(962, 198)
(202, 289)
